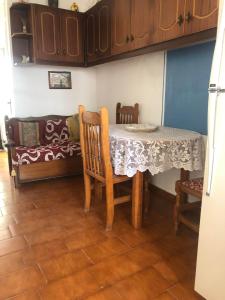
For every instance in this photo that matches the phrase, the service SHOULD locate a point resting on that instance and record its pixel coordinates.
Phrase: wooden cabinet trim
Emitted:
(42, 32)
(67, 42)
(174, 23)
(204, 16)
(91, 16)
(99, 26)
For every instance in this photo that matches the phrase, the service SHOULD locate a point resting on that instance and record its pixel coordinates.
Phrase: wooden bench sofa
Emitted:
(41, 148)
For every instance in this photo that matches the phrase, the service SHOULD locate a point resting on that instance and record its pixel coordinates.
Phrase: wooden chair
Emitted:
(130, 115)
(183, 208)
(94, 139)
(127, 114)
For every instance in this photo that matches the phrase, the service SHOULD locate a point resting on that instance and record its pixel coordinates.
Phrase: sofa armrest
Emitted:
(10, 144)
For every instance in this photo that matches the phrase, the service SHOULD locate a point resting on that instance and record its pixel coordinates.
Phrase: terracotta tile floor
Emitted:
(49, 249)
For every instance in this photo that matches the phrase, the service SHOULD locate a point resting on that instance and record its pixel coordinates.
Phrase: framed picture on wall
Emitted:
(59, 80)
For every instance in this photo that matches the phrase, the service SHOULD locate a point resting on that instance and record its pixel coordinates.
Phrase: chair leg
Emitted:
(98, 190)
(87, 186)
(146, 192)
(176, 212)
(109, 206)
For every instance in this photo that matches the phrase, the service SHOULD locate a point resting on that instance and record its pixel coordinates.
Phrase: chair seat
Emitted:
(184, 210)
(192, 186)
(120, 178)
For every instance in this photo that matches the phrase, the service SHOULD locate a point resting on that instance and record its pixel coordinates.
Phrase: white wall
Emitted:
(138, 79)
(32, 96)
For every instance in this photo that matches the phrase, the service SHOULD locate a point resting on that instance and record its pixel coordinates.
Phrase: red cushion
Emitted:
(56, 131)
(194, 184)
(28, 155)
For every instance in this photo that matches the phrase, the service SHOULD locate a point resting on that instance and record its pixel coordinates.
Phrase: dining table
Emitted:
(135, 152)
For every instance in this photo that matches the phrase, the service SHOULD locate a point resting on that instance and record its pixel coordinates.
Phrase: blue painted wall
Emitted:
(187, 79)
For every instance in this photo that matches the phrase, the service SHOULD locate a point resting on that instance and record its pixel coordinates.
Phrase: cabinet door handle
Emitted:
(127, 39)
(180, 20)
(132, 37)
(188, 17)
(58, 52)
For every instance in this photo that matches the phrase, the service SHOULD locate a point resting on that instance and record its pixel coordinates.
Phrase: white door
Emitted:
(210, 272)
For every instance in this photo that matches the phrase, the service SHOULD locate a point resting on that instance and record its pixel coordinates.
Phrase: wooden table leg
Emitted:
(184, 175)
(137, 197)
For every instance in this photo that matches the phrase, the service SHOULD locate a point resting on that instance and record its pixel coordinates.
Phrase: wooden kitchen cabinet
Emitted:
(169, 20)
(47, 35)
(143, 23)
(98, 31)
(72, 37)
(177, 18)
(133, 24)
(58, 35)
(121, 26)
(200, 15)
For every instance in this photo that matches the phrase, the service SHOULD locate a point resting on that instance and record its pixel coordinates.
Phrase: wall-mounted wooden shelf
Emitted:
(22, 35)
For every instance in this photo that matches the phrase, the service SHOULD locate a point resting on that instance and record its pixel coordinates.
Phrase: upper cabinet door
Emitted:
(143, 22)
(47, 37)
(121, 26)
(170, 19)
(200, 15)
(72, 43)
(104, 28)
(91, 35)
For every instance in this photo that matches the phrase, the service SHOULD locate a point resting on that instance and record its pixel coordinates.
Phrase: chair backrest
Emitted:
(127, 114)
(94, 139)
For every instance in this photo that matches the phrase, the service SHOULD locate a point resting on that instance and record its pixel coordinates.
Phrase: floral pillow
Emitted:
(56, 131)
(29, 134)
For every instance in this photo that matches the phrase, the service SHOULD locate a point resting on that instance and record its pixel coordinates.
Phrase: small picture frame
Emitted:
(59, 80)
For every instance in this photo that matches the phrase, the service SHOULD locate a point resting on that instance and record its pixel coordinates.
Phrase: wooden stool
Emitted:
(182, 207)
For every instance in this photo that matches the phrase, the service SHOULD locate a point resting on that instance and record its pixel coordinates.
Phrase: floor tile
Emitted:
(106, 294)
(30, 295)
(64, 265)
(184, 290)
(71, 287)
(10, 263)
(84, 238)
(5, 221)
(45, 235)
(175, 268)
(44, 251)
(34, 214)
(12, 245)
(22, 207)
(144, 285)
(166, 296)
(5, 234)
(111, 270)
(144, 255)
(106, 248)
(18, 282)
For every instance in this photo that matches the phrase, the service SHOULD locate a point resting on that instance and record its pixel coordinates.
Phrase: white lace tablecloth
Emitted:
(157, 151)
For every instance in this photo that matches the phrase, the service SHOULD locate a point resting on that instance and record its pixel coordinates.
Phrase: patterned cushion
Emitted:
(73, 127)
(56, 131)
(28, 133)
(28, 155)
(194, 184)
